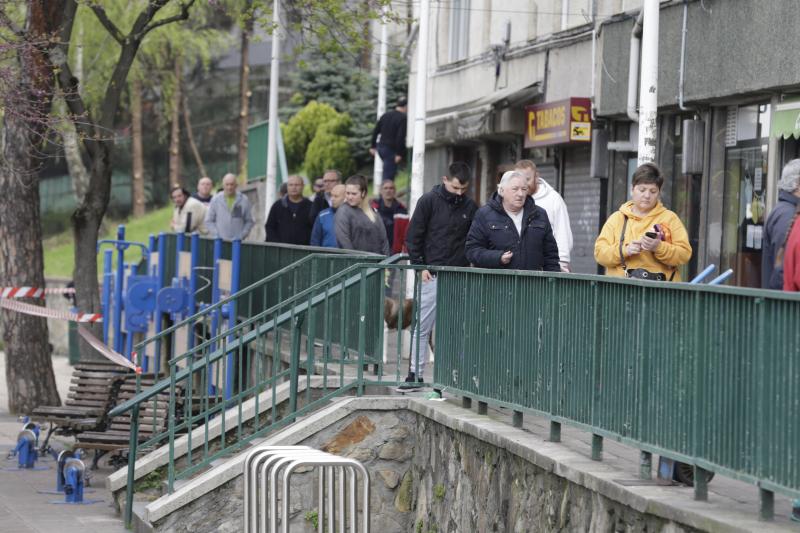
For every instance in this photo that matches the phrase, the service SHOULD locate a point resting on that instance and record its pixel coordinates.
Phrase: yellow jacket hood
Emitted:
(673, 252)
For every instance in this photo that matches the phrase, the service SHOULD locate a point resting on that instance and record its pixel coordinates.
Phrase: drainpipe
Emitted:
(633, 67)
(648, 88)
(594, 53)
(420, 104)
(272, 131)
(377, 170)
(683, 55)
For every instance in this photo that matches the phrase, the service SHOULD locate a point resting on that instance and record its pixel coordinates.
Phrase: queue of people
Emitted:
(524, 225)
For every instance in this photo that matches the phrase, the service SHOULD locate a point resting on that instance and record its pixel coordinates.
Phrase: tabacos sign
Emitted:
(560, 122)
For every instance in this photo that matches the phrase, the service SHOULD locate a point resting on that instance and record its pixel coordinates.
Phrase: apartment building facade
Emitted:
(495, 66)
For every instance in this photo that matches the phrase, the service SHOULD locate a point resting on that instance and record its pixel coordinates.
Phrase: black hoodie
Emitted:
(439, 227)
(493, 233)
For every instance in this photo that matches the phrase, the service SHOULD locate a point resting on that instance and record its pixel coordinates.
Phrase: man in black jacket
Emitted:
(436, 236)
(288, 220)
(389, 138)
(776, 229)
(511, 231)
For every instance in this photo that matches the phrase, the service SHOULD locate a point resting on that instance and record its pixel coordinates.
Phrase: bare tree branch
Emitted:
(8, 23)
(59, 54)
(112, 29)
(183, 15)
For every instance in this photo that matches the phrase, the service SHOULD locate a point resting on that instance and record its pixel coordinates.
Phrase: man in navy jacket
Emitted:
(511, 231)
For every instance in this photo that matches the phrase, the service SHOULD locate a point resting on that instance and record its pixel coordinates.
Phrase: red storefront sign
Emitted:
(566, 121)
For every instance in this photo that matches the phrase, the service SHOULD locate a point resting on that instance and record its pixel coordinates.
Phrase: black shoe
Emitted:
(410, 384)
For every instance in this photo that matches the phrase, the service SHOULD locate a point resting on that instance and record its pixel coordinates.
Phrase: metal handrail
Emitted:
(199, 315)
(262, 323)
(284, 318)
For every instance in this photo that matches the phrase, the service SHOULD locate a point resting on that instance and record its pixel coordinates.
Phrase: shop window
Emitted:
(745, 194)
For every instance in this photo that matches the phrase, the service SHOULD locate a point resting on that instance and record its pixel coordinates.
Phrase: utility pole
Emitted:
(272, 132)
(648, 87)
(377, 171)
(418, 157)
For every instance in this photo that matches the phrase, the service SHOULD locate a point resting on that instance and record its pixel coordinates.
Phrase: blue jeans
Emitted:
(389, 166)
(421, 335)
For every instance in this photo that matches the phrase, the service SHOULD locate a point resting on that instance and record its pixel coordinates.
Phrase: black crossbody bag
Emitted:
(638, 273)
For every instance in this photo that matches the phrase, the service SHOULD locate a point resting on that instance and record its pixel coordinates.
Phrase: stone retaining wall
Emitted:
(428, 477)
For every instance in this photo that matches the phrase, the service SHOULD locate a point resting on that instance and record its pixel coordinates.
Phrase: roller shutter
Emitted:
(582, 196)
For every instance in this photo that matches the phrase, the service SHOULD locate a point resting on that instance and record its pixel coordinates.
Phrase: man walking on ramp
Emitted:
(436, 236)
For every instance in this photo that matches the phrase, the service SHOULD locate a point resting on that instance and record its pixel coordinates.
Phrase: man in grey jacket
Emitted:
(229, 215)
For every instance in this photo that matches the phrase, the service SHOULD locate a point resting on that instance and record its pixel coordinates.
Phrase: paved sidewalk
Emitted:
(22, 507)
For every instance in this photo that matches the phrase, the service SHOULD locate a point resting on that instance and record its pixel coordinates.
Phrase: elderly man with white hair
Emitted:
(511, 231)
(777, 227)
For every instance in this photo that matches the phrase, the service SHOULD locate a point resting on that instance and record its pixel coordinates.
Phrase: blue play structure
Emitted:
(140, 301)
(26, 449)
(72, 477)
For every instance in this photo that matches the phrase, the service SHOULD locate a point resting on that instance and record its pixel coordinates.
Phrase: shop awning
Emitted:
(472, 119)
(786, 120)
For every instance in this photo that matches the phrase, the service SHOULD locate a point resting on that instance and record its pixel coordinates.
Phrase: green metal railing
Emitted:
(334, 325)
(708, 376)
(257, 261)
(280, 284)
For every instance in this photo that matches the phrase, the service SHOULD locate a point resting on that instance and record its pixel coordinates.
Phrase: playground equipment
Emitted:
(27, 443)
(143, 299)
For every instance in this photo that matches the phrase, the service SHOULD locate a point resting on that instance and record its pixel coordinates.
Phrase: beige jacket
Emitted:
(198, 211)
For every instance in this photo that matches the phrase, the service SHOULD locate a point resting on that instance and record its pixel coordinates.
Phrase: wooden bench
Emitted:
(92, 392)
(153, 419)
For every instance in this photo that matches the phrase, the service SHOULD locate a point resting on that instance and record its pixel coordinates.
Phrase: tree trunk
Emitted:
(244, 91)
(29, 369)
(137, 157)
(187, 122)
(366, 52)
(86, 222)
(175, 177)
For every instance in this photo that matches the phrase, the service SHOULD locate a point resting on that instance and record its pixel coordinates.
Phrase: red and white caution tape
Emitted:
(105, 351)
(33, 292)
(36, 310)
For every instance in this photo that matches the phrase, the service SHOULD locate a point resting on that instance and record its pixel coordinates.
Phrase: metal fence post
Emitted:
(131, 464)
(597, 447)
(294, 370)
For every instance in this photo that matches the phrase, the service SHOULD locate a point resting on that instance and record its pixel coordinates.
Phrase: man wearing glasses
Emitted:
(322, 200)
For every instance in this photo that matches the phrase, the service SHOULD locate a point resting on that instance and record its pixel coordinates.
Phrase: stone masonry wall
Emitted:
(428, 478)
(460, 483)
(381, 440)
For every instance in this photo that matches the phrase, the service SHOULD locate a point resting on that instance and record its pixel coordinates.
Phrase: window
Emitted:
(459, 30)
(745, 193)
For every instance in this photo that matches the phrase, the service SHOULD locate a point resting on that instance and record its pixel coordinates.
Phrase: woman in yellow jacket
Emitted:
(644, 238)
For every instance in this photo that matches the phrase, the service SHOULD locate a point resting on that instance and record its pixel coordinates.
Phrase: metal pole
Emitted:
(648, 87)
(108, 259)
(118, 288)
(377, 171)
(420, 104)
(272, 132)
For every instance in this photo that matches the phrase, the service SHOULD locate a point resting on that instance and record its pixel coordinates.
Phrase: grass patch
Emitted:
(313, 518)
(59, 250)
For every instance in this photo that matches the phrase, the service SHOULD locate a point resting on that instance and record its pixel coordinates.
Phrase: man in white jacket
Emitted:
(547, 198)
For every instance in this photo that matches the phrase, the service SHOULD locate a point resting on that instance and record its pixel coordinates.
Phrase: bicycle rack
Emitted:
(267, 475)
